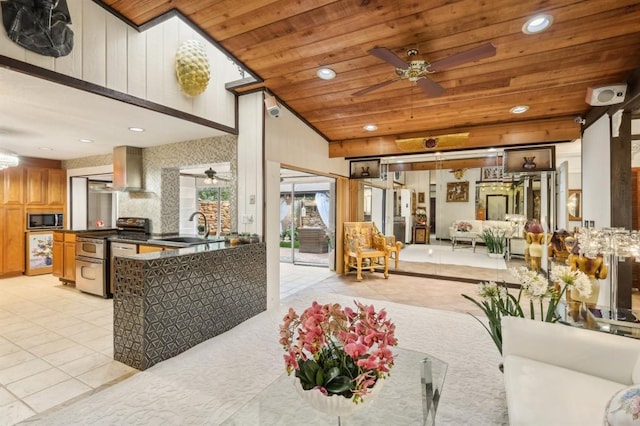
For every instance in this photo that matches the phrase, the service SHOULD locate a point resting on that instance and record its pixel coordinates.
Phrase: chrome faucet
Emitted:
(206, 227)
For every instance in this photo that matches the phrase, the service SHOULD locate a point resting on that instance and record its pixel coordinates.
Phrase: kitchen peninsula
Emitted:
(169, 301)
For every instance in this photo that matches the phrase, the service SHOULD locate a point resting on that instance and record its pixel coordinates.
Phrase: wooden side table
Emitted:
(421, 234)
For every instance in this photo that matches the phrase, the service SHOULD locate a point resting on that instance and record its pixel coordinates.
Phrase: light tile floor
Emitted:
(56, 344)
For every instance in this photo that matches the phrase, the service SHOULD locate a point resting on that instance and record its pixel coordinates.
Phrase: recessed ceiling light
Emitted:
(491, 150)
(370, 127)
(519, 109)
(45, 148)
(326, 73)
(136, 129)
(537, 23)
(85, 140)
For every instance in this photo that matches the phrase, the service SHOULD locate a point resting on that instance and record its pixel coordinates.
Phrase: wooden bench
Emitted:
(364, 247)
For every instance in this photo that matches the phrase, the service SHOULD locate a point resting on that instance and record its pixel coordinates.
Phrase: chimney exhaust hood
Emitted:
(127, 168)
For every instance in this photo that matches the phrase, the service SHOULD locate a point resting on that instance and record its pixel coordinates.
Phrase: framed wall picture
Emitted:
(574, 204)
(420, 197)
(492, 173)
(521, 160)
(457, 192)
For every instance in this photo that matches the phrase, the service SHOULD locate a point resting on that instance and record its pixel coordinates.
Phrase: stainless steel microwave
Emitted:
(45, 221)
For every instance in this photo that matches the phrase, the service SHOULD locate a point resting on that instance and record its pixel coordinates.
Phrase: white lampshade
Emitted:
(8, 159)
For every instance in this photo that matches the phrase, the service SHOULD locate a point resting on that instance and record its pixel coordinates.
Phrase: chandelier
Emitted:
(8, 159)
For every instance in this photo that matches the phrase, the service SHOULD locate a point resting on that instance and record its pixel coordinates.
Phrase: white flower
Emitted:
(576, 279)
(537, 288)
(582, 283)
(534, 285)
(490, 290)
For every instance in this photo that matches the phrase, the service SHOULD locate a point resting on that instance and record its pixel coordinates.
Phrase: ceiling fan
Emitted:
(417, 70)
(212, 177)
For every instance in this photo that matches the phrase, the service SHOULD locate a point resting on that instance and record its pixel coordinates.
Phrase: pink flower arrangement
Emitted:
(336, 350)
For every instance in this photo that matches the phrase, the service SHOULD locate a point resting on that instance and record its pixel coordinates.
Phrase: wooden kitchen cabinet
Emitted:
(13, 240)
(64, 256)
(57, 187)
(149, 249)
(58, 254)
(36, 186)
(13, 186)
(46, 187)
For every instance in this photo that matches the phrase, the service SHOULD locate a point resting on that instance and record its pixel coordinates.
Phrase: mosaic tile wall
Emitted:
(161, 165)
(166, 305)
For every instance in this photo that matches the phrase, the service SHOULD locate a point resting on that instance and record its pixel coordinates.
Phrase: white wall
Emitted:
(596, 166)
(448, 212)
(109, 53)
(250, 183)
(288, 141)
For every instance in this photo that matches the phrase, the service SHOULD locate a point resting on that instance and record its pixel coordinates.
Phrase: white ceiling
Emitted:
(36, 113)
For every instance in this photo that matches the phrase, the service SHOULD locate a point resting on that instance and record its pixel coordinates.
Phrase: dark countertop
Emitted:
(85, 231)
(183, 251)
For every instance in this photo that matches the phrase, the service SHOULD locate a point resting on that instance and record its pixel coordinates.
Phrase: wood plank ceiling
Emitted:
(284, 42)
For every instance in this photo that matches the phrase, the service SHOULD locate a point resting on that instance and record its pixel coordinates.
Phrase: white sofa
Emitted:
(555, 374)
(475, 233)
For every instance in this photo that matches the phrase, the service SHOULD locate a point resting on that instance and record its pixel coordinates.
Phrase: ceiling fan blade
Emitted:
(485, 51)
(430, 87)
(374, 87)
(389, 57)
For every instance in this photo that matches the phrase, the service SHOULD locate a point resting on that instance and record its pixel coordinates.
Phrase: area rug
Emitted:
(442, 254)
(211, 381)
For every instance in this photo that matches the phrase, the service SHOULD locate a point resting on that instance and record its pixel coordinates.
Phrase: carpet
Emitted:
(211, 381)
(442, 254)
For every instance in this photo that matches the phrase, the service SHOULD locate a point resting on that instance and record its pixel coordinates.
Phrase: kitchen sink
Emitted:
(190, 240)
(183, 241)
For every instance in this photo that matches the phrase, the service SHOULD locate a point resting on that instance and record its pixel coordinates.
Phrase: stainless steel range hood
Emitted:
(127, 168)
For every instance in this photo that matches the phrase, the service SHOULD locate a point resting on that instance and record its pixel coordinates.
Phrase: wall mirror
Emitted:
(574, 204)
(497, 206)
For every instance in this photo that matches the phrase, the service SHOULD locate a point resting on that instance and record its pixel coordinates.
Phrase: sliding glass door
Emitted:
(307, 219)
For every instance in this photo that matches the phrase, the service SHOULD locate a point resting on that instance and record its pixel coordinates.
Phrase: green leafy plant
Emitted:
(496, 301)
(338, 351)
(495, 240)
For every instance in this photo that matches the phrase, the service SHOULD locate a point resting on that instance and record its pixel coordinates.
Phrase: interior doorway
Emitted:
(307, 219)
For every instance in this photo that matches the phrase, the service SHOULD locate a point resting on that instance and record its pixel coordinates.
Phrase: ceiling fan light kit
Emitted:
(417, 71)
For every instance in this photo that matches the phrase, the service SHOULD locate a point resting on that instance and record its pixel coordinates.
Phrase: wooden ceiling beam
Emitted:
(499, 135)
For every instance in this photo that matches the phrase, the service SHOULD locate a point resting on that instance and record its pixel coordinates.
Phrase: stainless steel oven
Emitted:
(91, 265)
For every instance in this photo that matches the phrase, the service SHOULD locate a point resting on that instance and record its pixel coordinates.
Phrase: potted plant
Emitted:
(339, 355)
(495, 240)
(244, 238)
(496, 301)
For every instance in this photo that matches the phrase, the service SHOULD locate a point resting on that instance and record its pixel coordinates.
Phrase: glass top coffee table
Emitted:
(410, 396)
